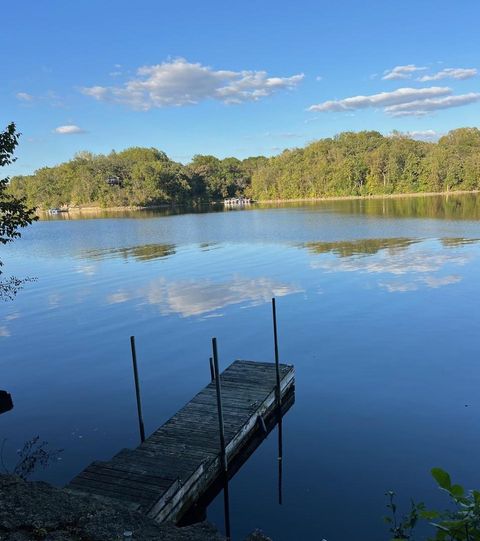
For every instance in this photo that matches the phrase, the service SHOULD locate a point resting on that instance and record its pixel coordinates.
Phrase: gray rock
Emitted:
(38, 511)
(257, 535)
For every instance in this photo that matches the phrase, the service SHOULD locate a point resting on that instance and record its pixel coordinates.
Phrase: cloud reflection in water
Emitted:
(417, 260)
(204, 296)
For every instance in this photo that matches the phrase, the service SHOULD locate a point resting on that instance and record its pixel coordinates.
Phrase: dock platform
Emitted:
(174, 467)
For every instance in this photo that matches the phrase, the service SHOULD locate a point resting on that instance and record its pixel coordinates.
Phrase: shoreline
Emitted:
(367, 197)
(93, 209)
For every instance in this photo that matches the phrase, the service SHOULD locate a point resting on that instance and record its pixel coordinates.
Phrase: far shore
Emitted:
(94, 209)
(378, 196)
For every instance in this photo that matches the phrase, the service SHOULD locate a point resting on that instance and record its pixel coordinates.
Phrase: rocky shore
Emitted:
(31, 511)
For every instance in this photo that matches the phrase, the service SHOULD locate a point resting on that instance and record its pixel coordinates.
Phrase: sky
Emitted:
(231, 79)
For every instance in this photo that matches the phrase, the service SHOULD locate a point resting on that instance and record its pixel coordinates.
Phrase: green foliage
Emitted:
(363, 163)
(462, 523)
(14, 212)
(367, 163)
(402, 528)
(147, 178)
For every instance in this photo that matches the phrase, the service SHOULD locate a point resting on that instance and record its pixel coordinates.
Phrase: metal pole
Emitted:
(212, 370)
(280, 459)
(137, 389)
(275, 337)
(279, 404)
(219, 405)
(223, 453)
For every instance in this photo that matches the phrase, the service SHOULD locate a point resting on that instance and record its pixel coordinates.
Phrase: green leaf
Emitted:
(429, 515)
(457, 490)
(442, 478)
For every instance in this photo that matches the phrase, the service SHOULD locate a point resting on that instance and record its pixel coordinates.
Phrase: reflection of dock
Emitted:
(181, 461)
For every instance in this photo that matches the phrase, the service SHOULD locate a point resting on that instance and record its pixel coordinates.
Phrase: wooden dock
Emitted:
(175, 467)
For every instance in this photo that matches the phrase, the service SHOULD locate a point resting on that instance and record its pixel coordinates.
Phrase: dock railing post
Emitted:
(212, 370)
(275, 338)
(137, 389)
(223, 452)
(279, 402)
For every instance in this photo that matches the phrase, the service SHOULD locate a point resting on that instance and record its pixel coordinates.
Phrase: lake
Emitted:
(378, 309)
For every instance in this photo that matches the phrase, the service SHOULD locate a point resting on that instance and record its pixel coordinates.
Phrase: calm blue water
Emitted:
(378, 308)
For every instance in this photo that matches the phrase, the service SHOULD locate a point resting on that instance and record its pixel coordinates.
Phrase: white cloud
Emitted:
(69, 129)
(401, 72)
(178, 82)
(426, 106)
(24, 96)
(402, 102)
(399, 96)
(423, 135)
(450, 73)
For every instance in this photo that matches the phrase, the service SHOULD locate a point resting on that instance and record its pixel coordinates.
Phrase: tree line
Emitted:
(351, 163)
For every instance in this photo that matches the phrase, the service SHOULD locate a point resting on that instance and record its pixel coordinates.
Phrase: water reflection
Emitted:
(447, 207)
(144, 252)
(152, 212)
(201, 296)
(413, 264)
(350, 248)
(457, 242)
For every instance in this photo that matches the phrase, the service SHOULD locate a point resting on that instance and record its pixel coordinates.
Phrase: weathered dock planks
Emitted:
(180, 462)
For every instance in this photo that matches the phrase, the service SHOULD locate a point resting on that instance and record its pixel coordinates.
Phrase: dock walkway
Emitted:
(178, 463)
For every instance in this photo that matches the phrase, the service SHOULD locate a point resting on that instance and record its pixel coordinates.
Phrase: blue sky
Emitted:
(226, 78)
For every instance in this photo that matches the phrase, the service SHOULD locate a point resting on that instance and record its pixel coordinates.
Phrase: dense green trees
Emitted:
(363, 163)
(368, 163)
(146, 176)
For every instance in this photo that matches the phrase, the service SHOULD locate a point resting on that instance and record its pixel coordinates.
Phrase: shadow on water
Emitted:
(198, 511)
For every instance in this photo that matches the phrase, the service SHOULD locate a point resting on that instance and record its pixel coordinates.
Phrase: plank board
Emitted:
(181, 460)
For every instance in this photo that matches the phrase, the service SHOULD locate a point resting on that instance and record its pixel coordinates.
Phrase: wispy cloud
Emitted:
(401, 102)
(24, 96)
(69, 129)
(401, 72)
(450, 73)
(179, 82)
(426, 106)
(382, 99)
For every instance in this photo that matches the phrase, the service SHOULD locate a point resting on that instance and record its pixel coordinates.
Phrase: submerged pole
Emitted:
(279, 403)
(223, 452)
(137, 389)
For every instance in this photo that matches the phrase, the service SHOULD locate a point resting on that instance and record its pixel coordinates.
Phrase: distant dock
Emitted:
(237, 202)
(181, 461)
